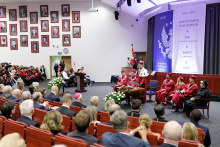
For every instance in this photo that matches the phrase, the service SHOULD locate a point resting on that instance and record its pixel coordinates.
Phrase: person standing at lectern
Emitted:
(136, 61)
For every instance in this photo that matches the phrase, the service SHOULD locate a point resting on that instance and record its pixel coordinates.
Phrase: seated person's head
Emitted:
(66, 92)
(145, 120)
(20, 86)
(195, 115)
(7, 89)
(32, 89)
(136, 105)
(26, 95)
(67, 99)
(94, 101)
(109, 103)
(37, 97)
(78, 97)
(113, 108)
(54, 89)
(36, 85)
(27, 108)
(119, 121)
(190, 132)
(1, 87)
(42, 91)
(82, 120)
(159, 110)
(52, 121)
(92, 111)
(8, 108)
(12, 140)
(17, 93)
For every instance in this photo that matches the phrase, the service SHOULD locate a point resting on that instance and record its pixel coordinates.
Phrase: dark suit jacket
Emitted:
(66, 111)
(121, 140)
(56, 132)
(133, 114)
(14, 99)
(77, 104)
(9, 117)
(107, 123)
(53, 97)
(5, 95)
(84, 136)
(161, 119)
(167, 145)
(28, 121)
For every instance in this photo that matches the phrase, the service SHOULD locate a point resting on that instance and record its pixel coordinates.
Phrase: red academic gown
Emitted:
(169, 86)
(190, 89)
(176, 89)
(134, 78)
(121, 80)
(34, 73)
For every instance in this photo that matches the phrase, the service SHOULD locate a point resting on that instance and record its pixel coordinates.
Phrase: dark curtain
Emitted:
(150, 43)
(212, 40)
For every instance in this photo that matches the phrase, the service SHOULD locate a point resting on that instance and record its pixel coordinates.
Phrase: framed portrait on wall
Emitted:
(65, 8)
(13, 29)
(44, 10)
(14, 44)
(3, 25)
(75, 16)
(33, 18)
(12, 15)
(66, 40)
(22, 11)
(34, 32)
(3, 41)
(55, 32)
(24, 40)
(44, 26)
(54, 16)
(23, 26)
(65, 25)
(45, 40)
(34, 47)
(2, 12)
(76, 31)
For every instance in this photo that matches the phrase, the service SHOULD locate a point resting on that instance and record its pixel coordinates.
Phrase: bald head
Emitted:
(17, 93)
(54, 89)
(94, 101)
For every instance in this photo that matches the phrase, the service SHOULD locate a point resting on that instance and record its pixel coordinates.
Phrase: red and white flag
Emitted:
(132, 56)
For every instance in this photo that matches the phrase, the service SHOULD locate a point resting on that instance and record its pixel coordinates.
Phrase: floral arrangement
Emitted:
(56, 82)
(116, 96)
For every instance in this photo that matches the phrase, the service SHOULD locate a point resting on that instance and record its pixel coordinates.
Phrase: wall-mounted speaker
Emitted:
(138, 1)
(129, 2)
(116, 15)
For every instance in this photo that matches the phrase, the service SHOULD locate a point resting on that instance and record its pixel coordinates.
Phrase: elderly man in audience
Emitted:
(136, 105)
(111, 110)
(27, 111)
(53, 95)
(82, 121)
(160, 112)
(7, 90)
(36, 85)
(25, 96)
(7, 109)
(122, 137)
(94, 101)
(1, 89)
(65, 108)
(78, 100)
(12, 140)
(16, 95)
(172, 133)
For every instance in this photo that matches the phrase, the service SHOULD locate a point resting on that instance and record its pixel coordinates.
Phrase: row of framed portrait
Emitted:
(65, 9)
(34, 44)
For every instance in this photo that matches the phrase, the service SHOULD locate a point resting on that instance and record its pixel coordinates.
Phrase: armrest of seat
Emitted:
(201, 99)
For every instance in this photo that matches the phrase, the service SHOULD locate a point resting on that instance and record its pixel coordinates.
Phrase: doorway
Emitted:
(56, 59)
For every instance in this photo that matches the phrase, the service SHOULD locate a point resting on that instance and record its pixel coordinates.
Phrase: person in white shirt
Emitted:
(66, 78)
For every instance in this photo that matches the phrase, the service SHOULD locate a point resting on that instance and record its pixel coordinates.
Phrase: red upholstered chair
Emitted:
(152, 139)
(96, 145)
(2, 119)
(39, 115)
(157, 127)
(134, 122)
(101, 129)
(2, 101)
(57, 104)
(50, 103)
(69, 141)
(73, 125)
(17, 113)
(67, 123)
(104, 116)
(91, 129)
(75, 109)
(201, 135)
(183, 143)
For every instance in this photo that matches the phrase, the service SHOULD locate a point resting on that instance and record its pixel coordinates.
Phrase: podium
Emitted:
(80, 82)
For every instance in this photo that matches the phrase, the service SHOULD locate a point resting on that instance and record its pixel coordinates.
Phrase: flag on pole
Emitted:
(132, 57)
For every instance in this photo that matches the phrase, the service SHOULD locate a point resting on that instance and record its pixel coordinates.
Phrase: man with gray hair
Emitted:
(122, 137)
(27, 111)
(1, 89)
(25, 95)
(36, 85)
(111, 110)
(94, 101)
(53, 95)
(78, 100)
(7, 90)
(16, 95)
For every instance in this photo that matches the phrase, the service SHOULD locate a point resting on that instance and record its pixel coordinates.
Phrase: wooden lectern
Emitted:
(80, 82)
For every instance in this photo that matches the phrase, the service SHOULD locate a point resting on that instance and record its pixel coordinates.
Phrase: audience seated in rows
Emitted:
(7, 90)
(27, 112)
(7, 109)
(42, 91)
(82, 121)
(111, 110)
(94, 101)
(92, 111)
(53, 95)
(53, 122)
(121, 137)
(1, 89)
(108, 103)
(25, 96)
(160, 112)
(65, 108)
(12, 140)
(136, 105)
(16, 95)
(78, 100)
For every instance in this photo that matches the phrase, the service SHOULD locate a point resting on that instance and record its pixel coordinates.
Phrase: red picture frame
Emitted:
(44, 10)
(75, 16)
(34, 32)
(3, 26)
(44, 26)
(24, 40)
(13, 29)
(65, 25)
(3, 41)
(66, 40)
(23, 26)
(54, 16)
(65, 9)
(14, 44)
(33, 18)
(76, 31)
(34, 47)
(55, 32)
(12, 15)
(45, 42)
(2, 11)
(22, 11)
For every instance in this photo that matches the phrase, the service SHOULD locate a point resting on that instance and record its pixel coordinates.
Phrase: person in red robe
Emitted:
(189, 90)
(122, 80)
(166, 87)
(132, 79)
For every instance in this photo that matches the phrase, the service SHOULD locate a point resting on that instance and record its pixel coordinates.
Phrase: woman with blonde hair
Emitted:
(20, 85)
(52, 122)
(42, 91)
(190, 132)
(108, 103)
(92, 111)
